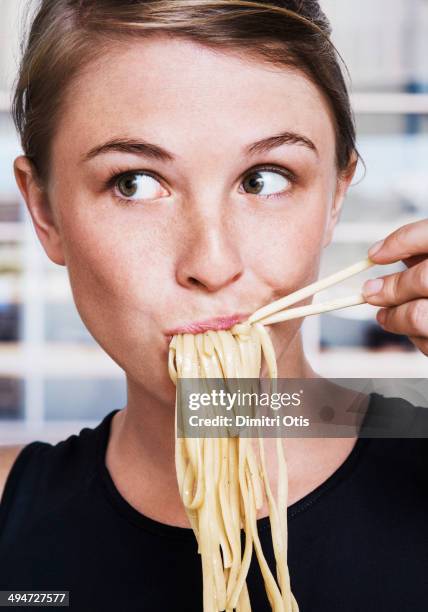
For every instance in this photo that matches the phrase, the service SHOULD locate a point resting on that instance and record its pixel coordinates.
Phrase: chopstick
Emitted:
(272, 313)
(312, 309)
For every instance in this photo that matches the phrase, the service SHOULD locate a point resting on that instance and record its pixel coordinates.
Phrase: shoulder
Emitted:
(394, 417)
(50, 473)
(8, 456)
(397, 446)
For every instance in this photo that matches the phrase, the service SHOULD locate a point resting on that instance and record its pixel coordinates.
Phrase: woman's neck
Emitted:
(145, 427)
(141, 458)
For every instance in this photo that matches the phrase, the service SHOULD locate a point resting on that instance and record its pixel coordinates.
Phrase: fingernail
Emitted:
(371, 287)
(376, 247)
(381, 316)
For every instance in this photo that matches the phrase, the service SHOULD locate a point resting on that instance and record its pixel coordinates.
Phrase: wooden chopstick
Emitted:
(312, 309)
(266, 312)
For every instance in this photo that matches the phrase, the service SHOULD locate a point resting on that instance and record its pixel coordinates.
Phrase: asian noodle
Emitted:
(223, 483)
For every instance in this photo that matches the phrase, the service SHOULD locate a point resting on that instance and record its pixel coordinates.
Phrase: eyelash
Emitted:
(118, 173)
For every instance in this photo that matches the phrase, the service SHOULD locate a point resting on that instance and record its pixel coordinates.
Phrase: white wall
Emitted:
(384, 42)
(10, 11)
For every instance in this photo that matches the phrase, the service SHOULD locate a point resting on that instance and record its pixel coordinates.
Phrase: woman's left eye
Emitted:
(138, 186)
(268, 182)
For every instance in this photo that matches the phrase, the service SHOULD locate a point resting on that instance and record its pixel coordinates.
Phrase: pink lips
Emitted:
(216, 323)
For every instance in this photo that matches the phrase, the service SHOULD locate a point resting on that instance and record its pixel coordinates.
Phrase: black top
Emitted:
(357, 543)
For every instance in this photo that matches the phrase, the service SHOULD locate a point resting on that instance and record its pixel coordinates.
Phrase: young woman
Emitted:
(188, 161)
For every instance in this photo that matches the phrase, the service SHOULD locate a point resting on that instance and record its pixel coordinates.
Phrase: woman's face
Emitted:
(203, 222)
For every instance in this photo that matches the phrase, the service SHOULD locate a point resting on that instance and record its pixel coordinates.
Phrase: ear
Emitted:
(343, 181)
(39, 208)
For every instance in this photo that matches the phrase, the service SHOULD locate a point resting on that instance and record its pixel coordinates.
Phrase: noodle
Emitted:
(222, 482)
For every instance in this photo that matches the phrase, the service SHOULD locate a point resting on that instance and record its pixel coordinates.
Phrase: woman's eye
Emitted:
(266, 183)
(139, 186)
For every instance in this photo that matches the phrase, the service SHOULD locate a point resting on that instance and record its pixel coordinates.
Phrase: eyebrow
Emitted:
(154, 151)
(266, 144)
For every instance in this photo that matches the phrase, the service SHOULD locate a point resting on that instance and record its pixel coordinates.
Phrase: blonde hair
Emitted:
(66, 35)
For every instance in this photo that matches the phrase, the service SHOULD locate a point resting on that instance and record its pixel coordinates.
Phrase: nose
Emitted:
(209, 258)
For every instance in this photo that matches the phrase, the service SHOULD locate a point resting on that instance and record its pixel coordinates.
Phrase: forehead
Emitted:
(176, 90)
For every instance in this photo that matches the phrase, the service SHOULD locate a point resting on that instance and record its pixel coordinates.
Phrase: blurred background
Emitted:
(54, 379)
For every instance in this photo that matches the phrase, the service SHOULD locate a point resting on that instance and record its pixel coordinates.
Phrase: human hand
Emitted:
(403, 296)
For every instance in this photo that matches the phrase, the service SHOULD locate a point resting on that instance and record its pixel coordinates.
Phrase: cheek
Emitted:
(290, 241)
(115, 270)
(289, 257)
(116, 256)
(117, 267)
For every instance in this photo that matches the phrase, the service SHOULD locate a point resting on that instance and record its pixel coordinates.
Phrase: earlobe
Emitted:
(38, 206)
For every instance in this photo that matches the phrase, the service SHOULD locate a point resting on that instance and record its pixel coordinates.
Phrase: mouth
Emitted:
(215, 324)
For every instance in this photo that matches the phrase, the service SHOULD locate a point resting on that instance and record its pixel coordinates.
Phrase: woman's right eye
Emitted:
(139, 186)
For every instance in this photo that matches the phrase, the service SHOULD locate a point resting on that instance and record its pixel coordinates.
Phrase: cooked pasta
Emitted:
(223, 482)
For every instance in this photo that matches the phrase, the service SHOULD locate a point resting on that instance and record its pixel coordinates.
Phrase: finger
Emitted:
(398, 288)
(410, 319)
(415, 259)
(403, 243)
(421, 344)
